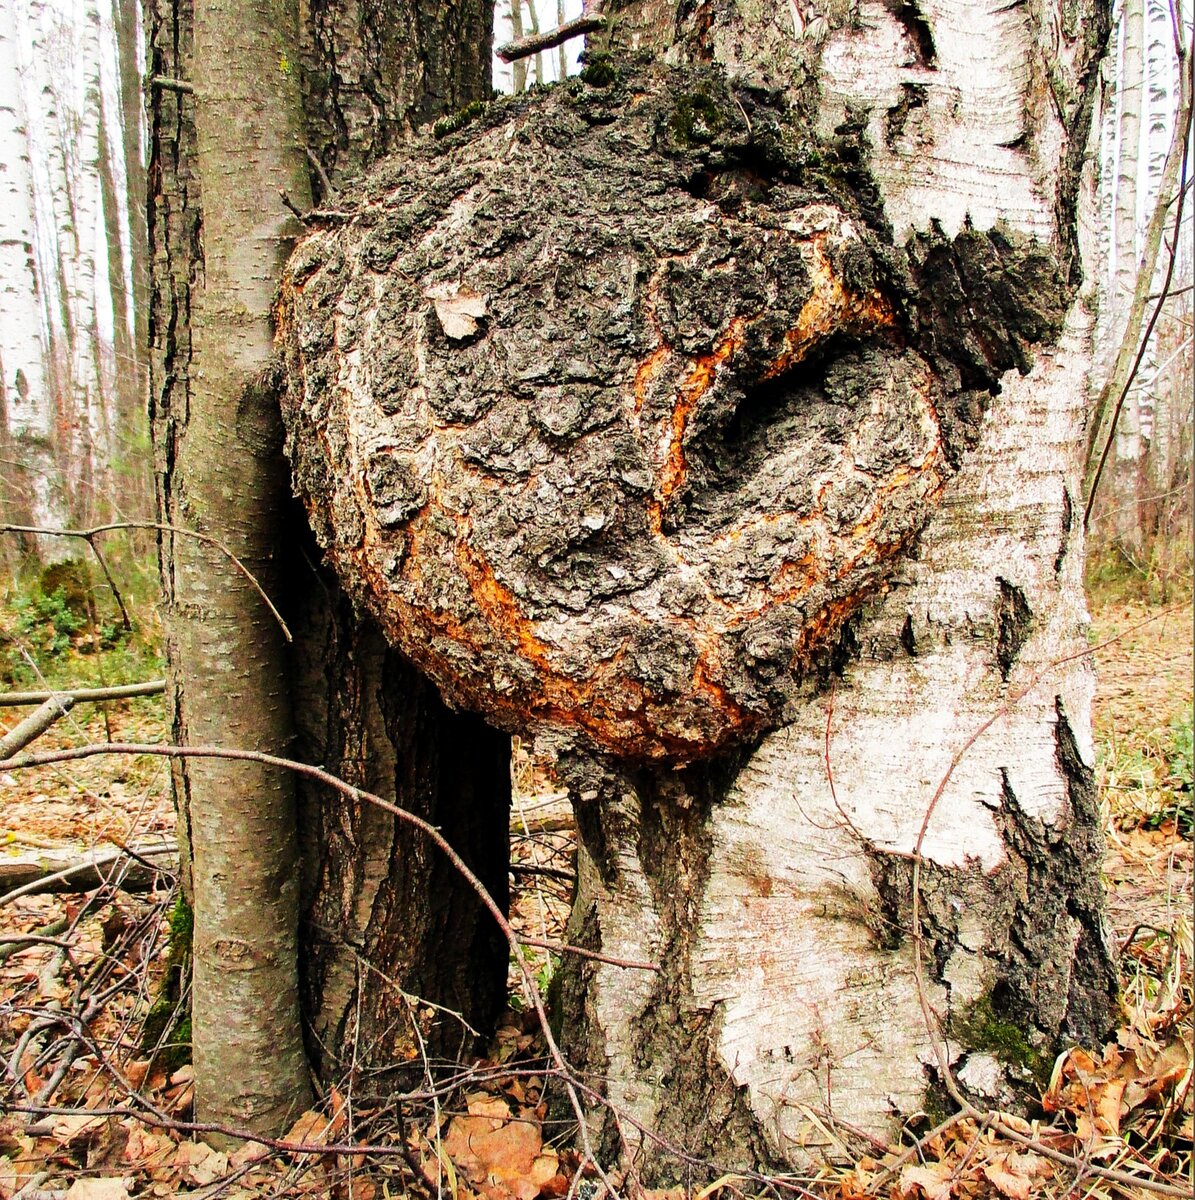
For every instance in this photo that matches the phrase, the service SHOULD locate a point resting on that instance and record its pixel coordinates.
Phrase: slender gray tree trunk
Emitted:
(226, 480)
(384, 922)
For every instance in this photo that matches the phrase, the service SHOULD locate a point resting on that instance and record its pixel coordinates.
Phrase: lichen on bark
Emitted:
(614, 404)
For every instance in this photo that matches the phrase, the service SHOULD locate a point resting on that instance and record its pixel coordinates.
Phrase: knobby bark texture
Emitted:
(640, 502)
(383, 922)
(743, 470)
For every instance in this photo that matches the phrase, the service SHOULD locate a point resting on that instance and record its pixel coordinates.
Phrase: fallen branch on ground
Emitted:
(75, 871)
(35, 724)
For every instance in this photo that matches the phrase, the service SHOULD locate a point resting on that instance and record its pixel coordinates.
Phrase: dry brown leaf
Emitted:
(76, 1127)
(1012, 1174)
(98, 1189)
(10, 1180)
(248, 1153)
(199, 1163)
(339, 1109)
(497, 1153)
(932, 1180)
(1106, 1096)
(179, 1099)
(545, 1167)
(145, 1149)
(482, 1104)
(459, 308)
(136, 1071)
(311, 1129)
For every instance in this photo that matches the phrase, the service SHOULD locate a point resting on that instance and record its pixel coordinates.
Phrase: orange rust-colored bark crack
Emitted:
(695, 385)
(829, 309)
(607, 699)
(647, 370)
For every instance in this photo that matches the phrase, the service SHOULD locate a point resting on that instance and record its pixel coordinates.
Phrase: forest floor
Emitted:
(95, 1086)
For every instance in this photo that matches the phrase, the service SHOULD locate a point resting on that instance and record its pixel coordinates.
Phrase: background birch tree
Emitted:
(71, 406)
(1144, 511)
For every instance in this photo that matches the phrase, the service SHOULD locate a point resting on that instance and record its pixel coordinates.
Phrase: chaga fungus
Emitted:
(611, 426)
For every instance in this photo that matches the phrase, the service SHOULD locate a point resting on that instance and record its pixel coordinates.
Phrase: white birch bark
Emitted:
(35, 491)
(1131, 100)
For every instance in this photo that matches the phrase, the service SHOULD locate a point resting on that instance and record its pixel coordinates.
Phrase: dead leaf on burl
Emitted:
(458, 307)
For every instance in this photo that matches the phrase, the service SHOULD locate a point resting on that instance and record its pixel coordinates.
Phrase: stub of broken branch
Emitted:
(550, 38)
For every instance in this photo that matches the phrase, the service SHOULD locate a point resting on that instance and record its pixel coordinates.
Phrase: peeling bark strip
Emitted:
(614, 408)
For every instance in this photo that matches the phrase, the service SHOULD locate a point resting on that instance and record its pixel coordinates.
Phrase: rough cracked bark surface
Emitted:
(478, 352)
(613, 409)
(383, 918)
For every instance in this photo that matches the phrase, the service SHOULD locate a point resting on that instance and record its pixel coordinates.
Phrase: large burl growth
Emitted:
(614, 404)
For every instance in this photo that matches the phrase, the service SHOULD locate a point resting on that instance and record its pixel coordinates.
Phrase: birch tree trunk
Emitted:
(780, 896)
(1126, 467)
(38, 495)
(735, 450)
(227, 654)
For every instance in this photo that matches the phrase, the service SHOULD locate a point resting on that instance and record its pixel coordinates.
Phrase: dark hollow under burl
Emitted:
(613, 406)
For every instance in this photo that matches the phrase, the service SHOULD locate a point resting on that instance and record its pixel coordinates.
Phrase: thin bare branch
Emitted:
(126, 691)
(35, 724)
(358, 795)
(175, 530)
(632, 964)
(171, 85)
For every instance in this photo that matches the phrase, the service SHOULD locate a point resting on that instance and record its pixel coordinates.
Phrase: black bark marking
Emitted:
(917, 29)
(1014, 623)
(676, 1040)
(908, 639)
(1054, 976)
(912, 97)
(1068, 521)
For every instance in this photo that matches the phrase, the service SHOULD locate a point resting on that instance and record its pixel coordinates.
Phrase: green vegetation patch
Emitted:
(599, 71)
(166, 1032)
(696, 119)
(459, 119)
(980, 1027)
